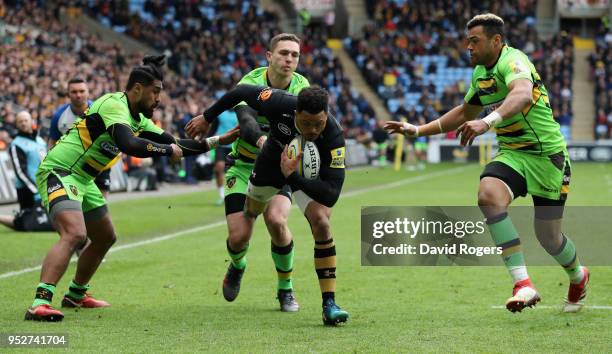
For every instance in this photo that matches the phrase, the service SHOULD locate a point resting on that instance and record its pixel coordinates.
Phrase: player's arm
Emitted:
(247, 93)
(450, 121)
(136, 146)
(54, 133)
(191, 147)
(250, 130)
(20, 165)
(518, 98)
(325, 189)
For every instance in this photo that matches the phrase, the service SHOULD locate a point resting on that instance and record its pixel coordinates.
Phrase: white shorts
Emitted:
(262, 194)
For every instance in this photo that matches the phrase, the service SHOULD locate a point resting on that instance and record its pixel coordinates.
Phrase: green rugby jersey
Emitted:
(242, 149)
(87, 148)
(533, 130)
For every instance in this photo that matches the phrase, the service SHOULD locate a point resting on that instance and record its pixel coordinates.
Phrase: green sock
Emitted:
(505, 236)
(568, 259)
(238, 258)
(76, 291)
(283, 260)
(44, 294)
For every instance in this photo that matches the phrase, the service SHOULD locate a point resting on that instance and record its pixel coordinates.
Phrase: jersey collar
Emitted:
(501, 52)
(268, 81)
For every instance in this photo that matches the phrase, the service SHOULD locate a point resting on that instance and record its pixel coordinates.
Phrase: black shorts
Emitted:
(103, 181)
(221, 152)
(267, 171)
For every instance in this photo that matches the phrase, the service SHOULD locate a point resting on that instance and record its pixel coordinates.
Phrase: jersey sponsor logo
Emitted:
(284, 129)
(518, 67)
(53, 188)
(112, 148)
(487, 86)
(338, 157)
(265, 95)
(150, 147)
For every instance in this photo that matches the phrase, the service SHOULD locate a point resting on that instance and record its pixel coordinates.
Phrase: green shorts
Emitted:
(420, 145)
(60, 190)
(542, 176)
(237, 178)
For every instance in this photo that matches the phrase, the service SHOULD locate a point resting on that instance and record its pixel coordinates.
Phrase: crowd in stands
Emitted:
(215, 44)
(40, 53)
(414, 54)
(210, 45)
(601, 74)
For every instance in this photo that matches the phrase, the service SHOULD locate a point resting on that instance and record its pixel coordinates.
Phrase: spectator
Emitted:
(26, 152)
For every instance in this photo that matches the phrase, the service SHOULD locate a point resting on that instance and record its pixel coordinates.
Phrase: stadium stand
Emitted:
(217, 43)
(601, 74)
(413, 54)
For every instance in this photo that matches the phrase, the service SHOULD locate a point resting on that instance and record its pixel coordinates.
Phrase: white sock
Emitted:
(518, 273)
(578, 276)
(221, 193)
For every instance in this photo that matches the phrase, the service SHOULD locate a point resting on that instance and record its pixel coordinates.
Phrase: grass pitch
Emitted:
(166, 295)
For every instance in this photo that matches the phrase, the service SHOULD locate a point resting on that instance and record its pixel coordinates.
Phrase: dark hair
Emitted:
(149, 71)
(313, 100)
(76, 80)
(491, 24)
(283, 37)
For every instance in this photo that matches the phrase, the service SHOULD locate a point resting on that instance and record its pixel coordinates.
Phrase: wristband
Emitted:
(261, 139)
(493, 119)
(416, 134)
(212, 142)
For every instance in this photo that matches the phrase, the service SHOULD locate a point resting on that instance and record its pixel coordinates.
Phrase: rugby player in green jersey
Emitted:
(283, 57)
(532, 157)
(114, 123)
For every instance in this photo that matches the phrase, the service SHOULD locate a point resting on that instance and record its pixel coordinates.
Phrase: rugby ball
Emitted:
(311, 160)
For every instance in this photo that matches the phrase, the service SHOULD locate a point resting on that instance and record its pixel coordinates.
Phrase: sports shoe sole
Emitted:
(49, 318)
(518, 305)
(340, 319)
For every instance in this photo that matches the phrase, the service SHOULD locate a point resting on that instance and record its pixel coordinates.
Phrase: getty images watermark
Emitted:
(428, 236)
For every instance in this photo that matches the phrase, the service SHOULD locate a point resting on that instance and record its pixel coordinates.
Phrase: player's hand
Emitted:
(230, 136)
(288, 166)
(197, 126)
(177, 153)
(468, 131)
(403, 128)
(261, 141)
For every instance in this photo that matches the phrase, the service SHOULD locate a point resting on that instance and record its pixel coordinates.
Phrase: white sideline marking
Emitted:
(127, 246)
(590, 307)
(222, 222)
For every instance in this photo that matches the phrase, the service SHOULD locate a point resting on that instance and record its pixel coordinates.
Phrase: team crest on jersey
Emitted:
(265, 95)
(74, 190)
(231, 182)
(284, 129)
(487, 86)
